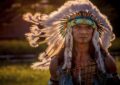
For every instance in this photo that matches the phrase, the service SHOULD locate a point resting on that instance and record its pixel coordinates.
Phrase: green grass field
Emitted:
(24, 75)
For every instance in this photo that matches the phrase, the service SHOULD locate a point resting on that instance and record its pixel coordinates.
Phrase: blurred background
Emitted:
(16, 55)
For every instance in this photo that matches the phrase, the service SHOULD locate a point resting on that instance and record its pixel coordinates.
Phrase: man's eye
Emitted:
(76, 27)
(89, 27)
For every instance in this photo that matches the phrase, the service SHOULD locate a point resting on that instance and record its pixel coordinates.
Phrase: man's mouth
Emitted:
(82, 37)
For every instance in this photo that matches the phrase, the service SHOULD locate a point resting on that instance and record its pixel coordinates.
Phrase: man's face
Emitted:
(82, 33)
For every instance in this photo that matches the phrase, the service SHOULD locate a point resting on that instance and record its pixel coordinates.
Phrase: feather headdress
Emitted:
(56, 31)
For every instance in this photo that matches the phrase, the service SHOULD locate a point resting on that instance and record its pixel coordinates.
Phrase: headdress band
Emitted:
(82, 20)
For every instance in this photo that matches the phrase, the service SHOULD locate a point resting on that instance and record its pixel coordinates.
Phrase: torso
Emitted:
(86, 67)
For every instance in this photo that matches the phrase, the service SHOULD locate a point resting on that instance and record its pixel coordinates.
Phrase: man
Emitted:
(78, 38)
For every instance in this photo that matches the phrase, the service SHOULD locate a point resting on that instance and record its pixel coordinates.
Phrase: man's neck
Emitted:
(81, 49)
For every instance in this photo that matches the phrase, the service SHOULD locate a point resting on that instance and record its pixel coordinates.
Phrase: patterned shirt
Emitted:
(84, 73)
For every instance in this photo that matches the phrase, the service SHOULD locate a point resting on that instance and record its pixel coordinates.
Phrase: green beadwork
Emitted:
(81, 21)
